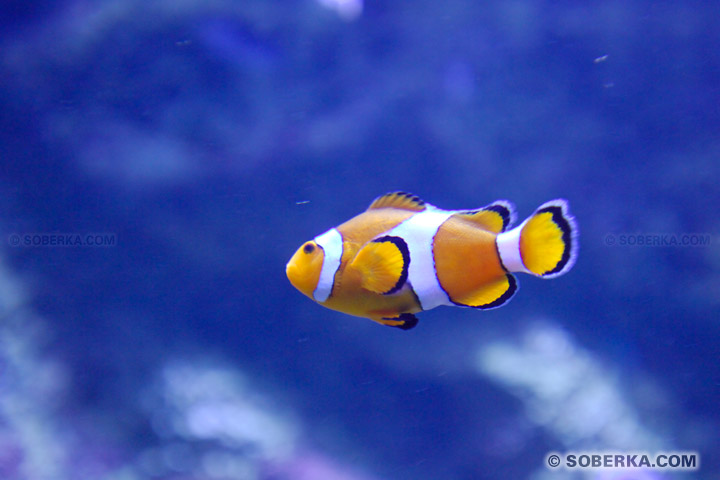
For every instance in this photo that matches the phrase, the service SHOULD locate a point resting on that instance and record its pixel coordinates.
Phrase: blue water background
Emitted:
(211, 139)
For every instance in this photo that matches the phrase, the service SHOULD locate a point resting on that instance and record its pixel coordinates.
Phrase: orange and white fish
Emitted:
(403, 255)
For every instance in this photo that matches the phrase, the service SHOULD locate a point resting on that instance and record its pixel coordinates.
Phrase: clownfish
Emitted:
(403, 256)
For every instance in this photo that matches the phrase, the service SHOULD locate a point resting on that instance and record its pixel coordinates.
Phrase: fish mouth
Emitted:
(291, 271)
(300, 278)
(294, 274)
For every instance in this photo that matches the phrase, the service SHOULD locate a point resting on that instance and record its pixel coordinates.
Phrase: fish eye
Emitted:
(309, 248)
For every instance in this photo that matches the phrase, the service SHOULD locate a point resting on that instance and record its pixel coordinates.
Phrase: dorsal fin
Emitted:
(496, 217)
(401, 200)
(383, 265)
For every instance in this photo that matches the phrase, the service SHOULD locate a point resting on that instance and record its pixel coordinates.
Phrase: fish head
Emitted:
(303, 269)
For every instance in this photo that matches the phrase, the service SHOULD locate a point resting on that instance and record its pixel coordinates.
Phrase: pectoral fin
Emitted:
(383, 265)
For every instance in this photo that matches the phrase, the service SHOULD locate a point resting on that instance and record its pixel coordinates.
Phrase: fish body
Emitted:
(403, 256)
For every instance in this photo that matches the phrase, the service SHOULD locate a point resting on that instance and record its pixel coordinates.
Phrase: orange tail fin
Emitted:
(544, 245)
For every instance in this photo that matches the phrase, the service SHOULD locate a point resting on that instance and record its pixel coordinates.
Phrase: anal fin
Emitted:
(491, 295)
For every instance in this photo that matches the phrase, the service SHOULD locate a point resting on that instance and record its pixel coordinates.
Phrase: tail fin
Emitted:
(544, 245)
